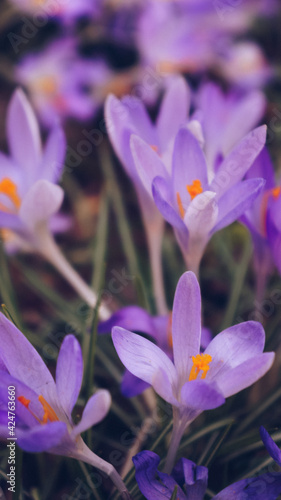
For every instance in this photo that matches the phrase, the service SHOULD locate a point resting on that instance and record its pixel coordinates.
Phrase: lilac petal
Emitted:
(140, 356)
(194, 477)
(23, 361)
(95, 410)
(42, 200)
(163, 387)
(163, 200)
(245, 374)
(131, 318)
(173, 111)
(189, 163)
(53, 157)
(23, 133)
(186, 323)
(42, 437)
(244, 117)
(201, 215)
(236, 201)
(272, 448)
(262, 167)
(140, 119)
(69, 373)
(132, 386)
(201, 395)
(206, 337)
(148, 163)
(264, 487)
(146, 463)
(11, 221)
(236, 164)
(233, 346)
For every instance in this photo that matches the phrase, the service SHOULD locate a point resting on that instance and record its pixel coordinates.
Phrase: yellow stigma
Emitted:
(200, 363)
(194, 189)
(49, 413)
(180, 205)
(9, 189)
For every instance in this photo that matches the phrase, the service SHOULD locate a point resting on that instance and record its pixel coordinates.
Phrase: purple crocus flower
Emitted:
(29, 196)
(57, 79)
(129, 116)
(42, 406)
(195, 382)
(159, 328)
(194, 205)
(63, 10)
(272, 448)
(191, 482)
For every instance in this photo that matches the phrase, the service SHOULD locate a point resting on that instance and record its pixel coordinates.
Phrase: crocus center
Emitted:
(49, 413)
(9, 189)
(195, 188)
(47, 85)
(274, 193)
(200, 364)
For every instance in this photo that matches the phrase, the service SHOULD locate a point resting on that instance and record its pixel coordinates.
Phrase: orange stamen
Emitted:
(195, 188)
(275, 193)
(200, 363)
(46, 84)
(49, 413)
(155, 148)
(180, 205)
(9, 189)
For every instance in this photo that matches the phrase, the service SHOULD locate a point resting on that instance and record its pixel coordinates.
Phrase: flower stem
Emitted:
(177, 433)
(47, 247)
(154, 234)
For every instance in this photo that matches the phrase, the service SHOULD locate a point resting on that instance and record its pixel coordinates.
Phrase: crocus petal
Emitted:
(147, 162)
(132, 386)
(23, 361)
(42, 437)
(195, 478)
(140, 356)
(163, 200)
(146, 463)
(42, 200)
(272, 448)
(140, 120)
(201, 395)
(131, 318)
(186, 323)
(69, 373)
(11, 221)
(161, 385)
(173, 111)
(244, 375)
(236, 164)
(189, 163)
(264, 487)
(233, 346)
(236, 201)
(53, 157)
(201, 215)
(95, 410)
(23, 133)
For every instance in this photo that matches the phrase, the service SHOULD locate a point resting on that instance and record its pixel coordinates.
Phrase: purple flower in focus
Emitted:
(195, 206)
(159, 328)
(43, 407)
(61, 83)
(191, 482)
(195, 382)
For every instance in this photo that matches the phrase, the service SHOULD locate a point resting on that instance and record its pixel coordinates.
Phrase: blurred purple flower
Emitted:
(159, 328)
(43, 407)
(233, 360)
(63, 10)
(191, 482)
(129, 116)
(61, 83)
